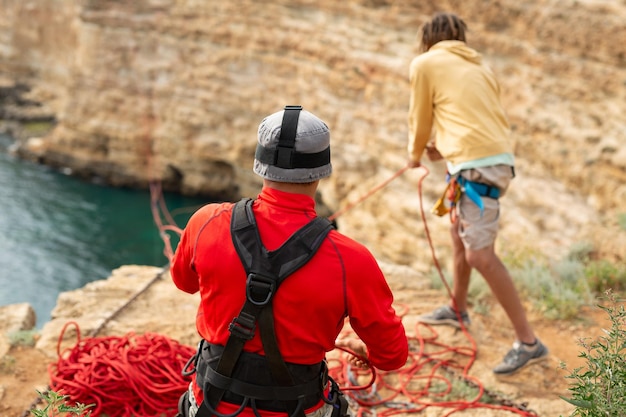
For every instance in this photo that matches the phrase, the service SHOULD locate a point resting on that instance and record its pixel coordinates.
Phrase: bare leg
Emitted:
(497, 276)
(461, 269)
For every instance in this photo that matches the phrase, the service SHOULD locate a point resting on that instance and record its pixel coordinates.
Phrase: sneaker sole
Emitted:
(447, 322)
(530, 362)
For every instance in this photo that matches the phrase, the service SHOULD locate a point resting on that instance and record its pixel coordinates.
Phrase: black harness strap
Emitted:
(266, 271)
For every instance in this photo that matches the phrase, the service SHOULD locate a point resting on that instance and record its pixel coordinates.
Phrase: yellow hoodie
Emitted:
(452, 90)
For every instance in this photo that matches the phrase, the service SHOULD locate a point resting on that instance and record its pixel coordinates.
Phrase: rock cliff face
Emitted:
(174, 91)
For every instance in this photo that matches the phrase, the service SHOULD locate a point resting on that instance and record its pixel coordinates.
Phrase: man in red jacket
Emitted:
(342, 279)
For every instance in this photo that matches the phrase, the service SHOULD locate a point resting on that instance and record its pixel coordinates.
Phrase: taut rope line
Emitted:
(368, 194)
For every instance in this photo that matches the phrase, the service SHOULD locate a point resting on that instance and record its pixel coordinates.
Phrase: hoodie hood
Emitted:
(459, 48)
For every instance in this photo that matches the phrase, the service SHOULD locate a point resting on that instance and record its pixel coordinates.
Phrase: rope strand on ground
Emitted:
(425, 377)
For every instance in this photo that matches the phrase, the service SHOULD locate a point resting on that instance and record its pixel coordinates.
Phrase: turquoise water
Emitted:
(59, 232)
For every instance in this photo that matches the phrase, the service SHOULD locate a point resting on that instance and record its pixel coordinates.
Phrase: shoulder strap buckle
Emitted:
(243, 326)
(260, 289)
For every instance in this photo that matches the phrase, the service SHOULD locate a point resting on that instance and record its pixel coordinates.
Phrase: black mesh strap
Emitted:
(282, 262)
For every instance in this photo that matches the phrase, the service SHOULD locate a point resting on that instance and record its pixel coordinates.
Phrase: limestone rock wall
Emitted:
(174, 91)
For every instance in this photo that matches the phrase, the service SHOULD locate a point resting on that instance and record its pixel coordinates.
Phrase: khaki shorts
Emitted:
(476, 231)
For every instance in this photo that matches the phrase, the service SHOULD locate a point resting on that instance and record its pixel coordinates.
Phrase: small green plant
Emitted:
(603, 274)
(23, 337)
(56, 403)
(558, 289)
(460, 390)
(599, 388)
(581, 251)
(621, 220)
(7, 364)
(38, 128)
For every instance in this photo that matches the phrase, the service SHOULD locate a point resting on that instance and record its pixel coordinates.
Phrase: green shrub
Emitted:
(22, 337)
(603, 275)
(457, 389)
(557, 288)
(7, 364)
(581, 251)
(599, 388)
(558, 291)
(37, 128)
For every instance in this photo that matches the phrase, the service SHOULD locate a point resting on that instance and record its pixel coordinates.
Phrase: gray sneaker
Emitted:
(520, 356)
(445, 315)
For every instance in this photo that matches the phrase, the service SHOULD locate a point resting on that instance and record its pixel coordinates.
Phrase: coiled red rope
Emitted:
(131, 375)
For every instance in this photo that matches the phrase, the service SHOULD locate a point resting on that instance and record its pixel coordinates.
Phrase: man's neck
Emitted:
(307, 189)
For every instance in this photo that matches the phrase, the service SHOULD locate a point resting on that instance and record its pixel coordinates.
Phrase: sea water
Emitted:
(58, 233)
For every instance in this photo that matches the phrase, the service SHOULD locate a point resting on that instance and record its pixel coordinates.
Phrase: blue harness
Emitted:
(476, 190)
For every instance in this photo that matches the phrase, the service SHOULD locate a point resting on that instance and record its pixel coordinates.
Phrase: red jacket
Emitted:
(342, 280)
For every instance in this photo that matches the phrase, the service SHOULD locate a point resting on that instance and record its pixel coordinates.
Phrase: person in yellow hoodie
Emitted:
(457, 95)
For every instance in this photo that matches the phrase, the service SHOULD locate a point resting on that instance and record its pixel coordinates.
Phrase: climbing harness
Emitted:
(227, 373)
(476, 190)
(457, 185)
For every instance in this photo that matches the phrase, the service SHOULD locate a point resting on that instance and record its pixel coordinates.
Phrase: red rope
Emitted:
(425, 380)
(368, 194)
(162, 218)
(132, 375)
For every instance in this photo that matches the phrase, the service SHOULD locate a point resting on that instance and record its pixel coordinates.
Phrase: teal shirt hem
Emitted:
(500, 159)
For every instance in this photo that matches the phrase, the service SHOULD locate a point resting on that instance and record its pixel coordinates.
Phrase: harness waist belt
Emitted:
(261, 392)
(479, 188)
(252, 379)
